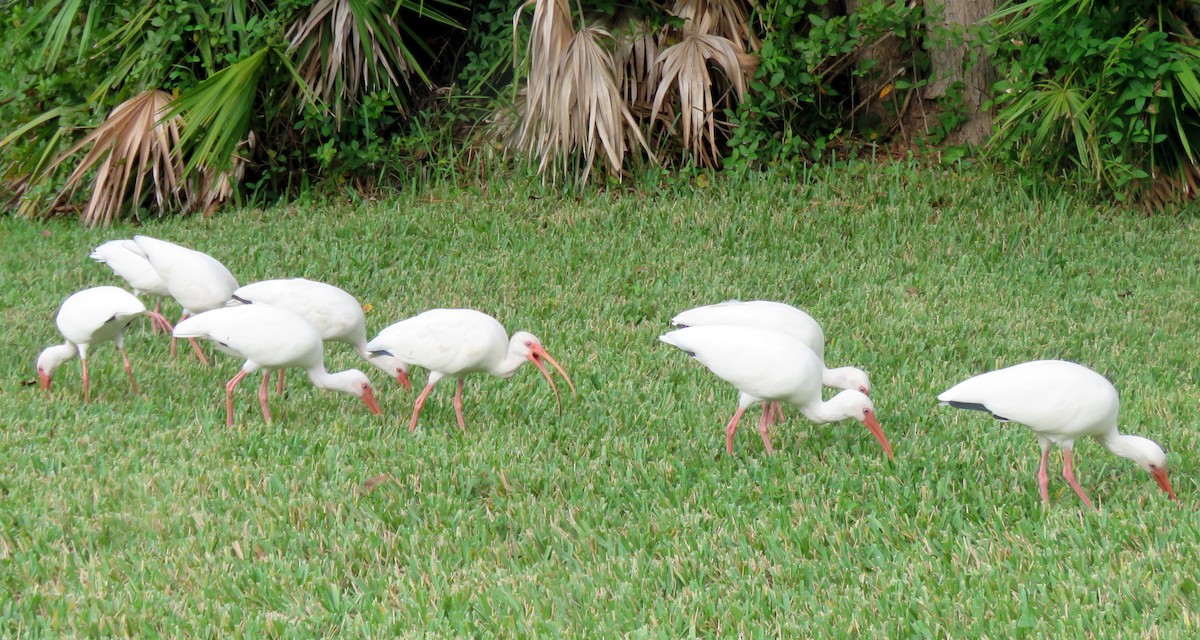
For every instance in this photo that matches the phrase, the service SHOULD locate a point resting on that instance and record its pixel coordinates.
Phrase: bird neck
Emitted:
(840, 378)
(1120, 444)
(52, 357)
(825, 411)
(321, 378)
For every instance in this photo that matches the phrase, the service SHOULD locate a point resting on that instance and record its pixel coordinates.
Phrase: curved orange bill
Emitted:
(161, 322)
(536, 353)
(1160, 476)
(402, 378)
(43, 381)
(368, 397)
(877, 431)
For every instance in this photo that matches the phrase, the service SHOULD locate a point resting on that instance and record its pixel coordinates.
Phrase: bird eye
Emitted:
(1153, 466)
(529, 343)
(366, 385)
(862, 390)
(866, 412)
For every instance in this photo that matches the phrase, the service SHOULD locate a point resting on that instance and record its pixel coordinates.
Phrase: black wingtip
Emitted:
(242, 300)
(974, 406)
(381, 352)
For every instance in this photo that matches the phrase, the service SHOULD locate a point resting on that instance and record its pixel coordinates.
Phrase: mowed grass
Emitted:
(622, 516)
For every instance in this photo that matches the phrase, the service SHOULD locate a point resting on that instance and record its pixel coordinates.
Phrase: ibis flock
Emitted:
(772, 353)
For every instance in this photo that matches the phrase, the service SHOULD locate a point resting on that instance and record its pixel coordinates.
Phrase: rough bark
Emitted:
(951, 62)
(888, 61)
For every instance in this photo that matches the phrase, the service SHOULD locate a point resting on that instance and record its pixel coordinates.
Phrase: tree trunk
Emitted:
(952, 60)
(888, 60)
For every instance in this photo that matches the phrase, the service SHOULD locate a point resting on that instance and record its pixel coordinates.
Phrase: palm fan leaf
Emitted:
(591, 109)
(134, 142)
(548, 39)
(728, 18)
(349, 48)
(636, 54)
(685, 67)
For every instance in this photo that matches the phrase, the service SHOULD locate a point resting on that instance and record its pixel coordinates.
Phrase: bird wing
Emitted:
(449, 341)
(265, 334)
(763, 314)
(760, 362)
(132, 267)
(336, 314)
(97, 314)
(196, 280)
(1049, 396)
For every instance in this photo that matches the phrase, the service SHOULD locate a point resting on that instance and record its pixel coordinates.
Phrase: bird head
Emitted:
(1149, 456)
(530, 347)
(857, 405)
(357, 384)
(49, 360)
(849, 378)
(391, 365)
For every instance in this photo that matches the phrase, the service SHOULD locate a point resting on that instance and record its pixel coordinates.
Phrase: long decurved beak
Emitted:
(1160, 476)
(402, 378)
(536, 353)
(368, 397)
(877, 431)
(43, 381)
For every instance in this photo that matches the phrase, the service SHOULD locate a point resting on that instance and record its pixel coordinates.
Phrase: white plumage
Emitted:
(1060, 402)
(457, 342)
(196, 280)
(777, 316)
(768, 366)
(336, 314)
(90, 317)
(269, 337)
(133, 267)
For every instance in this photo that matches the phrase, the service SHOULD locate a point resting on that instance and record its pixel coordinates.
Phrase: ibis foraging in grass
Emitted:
(90, 317)
(777, 316)
(134, 268)
(270, 337)
(457, 342)
(1060, 402)
(336, 314)
(769, 366)
(196, 280)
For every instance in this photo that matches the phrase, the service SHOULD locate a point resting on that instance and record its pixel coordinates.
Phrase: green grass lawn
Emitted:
(623, 516)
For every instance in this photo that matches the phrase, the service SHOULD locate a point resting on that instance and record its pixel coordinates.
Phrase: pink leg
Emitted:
(279, 385)
(157, 309)
(1069, 474)
(87, 387)
(199, 353)
(229, 396)
(181, 319)
(764, 427)
(779, 417)
(412, 426)
(262, 395)
(731, 428)
(1043, 476)
(129, 369)
(458, 406)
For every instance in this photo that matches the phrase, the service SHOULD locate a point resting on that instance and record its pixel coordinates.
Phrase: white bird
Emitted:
(456, 342)
(134, 268)
(777, 316)
(769, 366)
(1060, 402)
(270, 337)
(196, 280)
(337, 315)
(90, 317)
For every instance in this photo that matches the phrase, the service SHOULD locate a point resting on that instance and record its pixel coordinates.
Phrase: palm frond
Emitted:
(217, 112)
(727, 18)
(134, 142)
(636, 57)
(686, 71)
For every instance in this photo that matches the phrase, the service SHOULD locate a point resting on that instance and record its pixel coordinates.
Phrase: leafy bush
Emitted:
(1105, 89)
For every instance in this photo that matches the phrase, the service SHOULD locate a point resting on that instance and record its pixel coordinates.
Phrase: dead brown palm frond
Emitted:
(637, 68)
(727, 18)
(349, 48)
(592, 109)
(133, 142)
(685, 67)
(549, 36)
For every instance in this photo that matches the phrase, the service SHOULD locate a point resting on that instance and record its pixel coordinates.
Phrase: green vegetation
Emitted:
(146, 516)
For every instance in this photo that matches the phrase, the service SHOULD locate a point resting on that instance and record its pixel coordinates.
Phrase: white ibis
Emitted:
(196, 280)
(337, 315)
(1060, 402)
(270, 337)
(769, 366)
(134, 268)
(765, 314)
(456, 342)
(90, 317)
